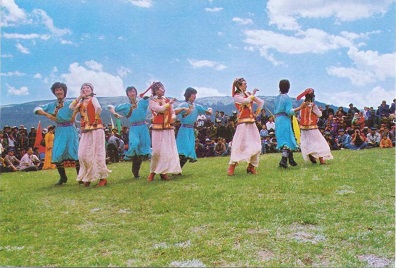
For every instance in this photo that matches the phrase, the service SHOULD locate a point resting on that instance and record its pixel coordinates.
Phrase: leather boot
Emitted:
(321, 160)
(183, 160)
(291, 159)
(63, 177)
(285, 155)
(164, 177)
(231, 169)
(136, 163)
(102, 182)
(312, 159)
(151, 177)
(251, 169)
(77, 165)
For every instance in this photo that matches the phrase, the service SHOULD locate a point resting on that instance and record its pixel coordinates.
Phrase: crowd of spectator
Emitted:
(353, 129)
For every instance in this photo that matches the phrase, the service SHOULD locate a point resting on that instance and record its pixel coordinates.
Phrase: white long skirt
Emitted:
(92, 156)
(165, 158)
(313, 143)
(246, 145)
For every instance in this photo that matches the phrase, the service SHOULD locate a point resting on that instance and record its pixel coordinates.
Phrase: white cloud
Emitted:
(17, 92)
(242, 21)
(11, 13)
(7, 55)
(38, 76)
(49, 23)
(373, 98)
(16, 73)
(369, 67)
(213, 9)
(206, 63)
(141, 3)
(22, 49)
(25, 36)
(285, 13)
(309, 41)
(105, 84)
(123, 71)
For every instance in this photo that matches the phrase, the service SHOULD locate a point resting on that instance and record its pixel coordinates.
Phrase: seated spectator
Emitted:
(209, 148)
(358, 141)
(113, 145)
(343, 139)
(264, 144)
(263, 131)
(358, 120)
(199, 148)
(270, 124)
(272, 143)
(373, 138)
(29, 161)
(220, 148)
(10, 161)
(385, 142)
(330, 141)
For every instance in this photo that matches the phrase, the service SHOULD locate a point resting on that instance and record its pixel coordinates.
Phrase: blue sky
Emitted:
(344, 49)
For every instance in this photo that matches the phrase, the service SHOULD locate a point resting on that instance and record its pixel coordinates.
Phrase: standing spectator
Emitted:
(165, 158)
(188, 113)
(91, 151)
(373, 137)
(66, 140)
(23, 141)
(313, 144)
(246, 143)
(49, 144)
(139, 136)
(286, 142)
(383, 109)
(352, 110)
(29, 162)
(327, 111)
(32, 136)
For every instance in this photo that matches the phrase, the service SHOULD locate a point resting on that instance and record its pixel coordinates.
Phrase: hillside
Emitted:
(22, 114)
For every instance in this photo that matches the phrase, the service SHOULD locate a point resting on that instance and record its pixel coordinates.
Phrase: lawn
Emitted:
(340, 214)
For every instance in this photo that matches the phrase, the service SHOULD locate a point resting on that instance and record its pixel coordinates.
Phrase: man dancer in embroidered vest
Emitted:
(246, 143)
(283, 127)
(91, 151)
(313, 144)
(165, 158)
(66, 138)
(139, 136)
(188, 112)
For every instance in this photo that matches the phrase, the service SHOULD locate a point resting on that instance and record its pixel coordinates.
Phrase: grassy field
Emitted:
(335, 215)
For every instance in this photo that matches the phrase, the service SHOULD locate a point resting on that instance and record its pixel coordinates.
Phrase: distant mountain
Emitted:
(22, 114)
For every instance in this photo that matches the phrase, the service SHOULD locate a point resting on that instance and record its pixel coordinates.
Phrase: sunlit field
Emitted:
(335, 215)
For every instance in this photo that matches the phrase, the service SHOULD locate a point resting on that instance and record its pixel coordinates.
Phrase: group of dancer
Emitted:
(169, 154)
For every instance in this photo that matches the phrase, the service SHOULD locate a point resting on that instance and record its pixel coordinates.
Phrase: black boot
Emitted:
(285, 155)
(77, 165)
(183, 160)
(136, 163)
(63, 177)
(291, 159)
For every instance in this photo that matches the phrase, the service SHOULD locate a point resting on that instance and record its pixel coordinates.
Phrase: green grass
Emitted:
(339, 214)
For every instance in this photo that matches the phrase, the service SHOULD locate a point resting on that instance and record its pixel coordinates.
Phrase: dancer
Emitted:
(283, 131)
(66, 139)
(139, 136)
(189, 112)
(246, 143)
(92, 151)
(165, 158)
(313, 144)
